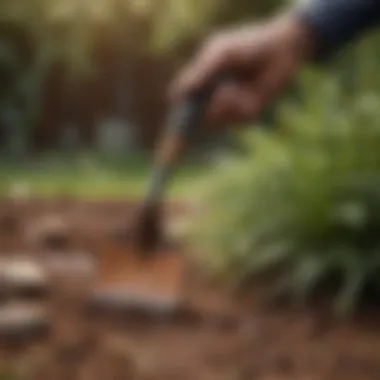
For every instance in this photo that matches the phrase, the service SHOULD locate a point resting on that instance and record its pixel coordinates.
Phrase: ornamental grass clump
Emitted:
(304, 200)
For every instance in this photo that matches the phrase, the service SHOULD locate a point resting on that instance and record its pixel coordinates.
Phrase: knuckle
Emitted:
(217, 50)
(216, 42)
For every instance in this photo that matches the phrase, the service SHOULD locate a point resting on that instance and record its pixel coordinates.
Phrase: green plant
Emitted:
(304, 200)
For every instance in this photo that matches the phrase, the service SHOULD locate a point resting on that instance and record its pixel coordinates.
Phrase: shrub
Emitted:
(305, 199)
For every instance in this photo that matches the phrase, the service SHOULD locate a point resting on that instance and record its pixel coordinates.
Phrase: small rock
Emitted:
(24, 271)
(71, 264)
(20, 320)
(23, 274)
(142, 305)
(70, 274)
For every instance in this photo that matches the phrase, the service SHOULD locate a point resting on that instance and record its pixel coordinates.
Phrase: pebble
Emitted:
(18, 320)
(22, 274)
(120, 299)
(72, 264)
(70, 274)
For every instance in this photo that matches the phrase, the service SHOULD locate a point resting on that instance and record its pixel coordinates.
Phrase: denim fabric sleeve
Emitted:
(337, 22)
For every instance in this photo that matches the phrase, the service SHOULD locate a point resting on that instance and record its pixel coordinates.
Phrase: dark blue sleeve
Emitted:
(337, 22)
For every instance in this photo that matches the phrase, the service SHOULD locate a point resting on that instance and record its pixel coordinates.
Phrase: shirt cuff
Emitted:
(337, 22)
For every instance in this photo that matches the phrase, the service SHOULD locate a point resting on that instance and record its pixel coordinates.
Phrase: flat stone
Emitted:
(19, 320)
(23, 274)
(125, 299)
(70, 274)
(71, 264)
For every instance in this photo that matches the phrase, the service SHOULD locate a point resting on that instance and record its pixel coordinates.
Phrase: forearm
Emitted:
(334, 23)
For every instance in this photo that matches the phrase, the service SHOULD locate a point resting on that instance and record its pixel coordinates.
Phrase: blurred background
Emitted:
(84, 82)
(82, 102)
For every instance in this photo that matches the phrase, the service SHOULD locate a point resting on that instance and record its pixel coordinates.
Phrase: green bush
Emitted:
(305, 200)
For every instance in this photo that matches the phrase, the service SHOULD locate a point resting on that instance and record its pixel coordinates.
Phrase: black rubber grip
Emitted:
(180, 126)
(190, 111)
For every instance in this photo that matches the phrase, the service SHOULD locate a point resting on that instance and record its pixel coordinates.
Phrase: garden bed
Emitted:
(245, 339)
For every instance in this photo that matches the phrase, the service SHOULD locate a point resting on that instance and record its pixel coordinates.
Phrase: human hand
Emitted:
(265, 55)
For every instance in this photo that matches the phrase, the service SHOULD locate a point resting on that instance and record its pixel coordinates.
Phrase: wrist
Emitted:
(296, 35)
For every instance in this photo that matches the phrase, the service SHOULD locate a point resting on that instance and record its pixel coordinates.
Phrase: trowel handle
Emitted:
(183, 118)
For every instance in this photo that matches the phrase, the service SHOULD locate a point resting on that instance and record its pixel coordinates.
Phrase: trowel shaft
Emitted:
(179, 128)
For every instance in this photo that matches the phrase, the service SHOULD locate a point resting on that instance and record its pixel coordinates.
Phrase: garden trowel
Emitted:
(139, 269)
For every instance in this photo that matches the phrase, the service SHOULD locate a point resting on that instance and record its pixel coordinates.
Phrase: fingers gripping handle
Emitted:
(182, 121)
(179, 126)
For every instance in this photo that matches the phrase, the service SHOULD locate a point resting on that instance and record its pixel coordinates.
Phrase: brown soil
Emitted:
(215, 337)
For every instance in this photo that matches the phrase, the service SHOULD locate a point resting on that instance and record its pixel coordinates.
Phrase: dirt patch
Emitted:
(215, 337)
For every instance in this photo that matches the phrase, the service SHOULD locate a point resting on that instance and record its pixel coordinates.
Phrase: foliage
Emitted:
(182, 20)
(34, 38)
(36, 35)
(304, 200)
